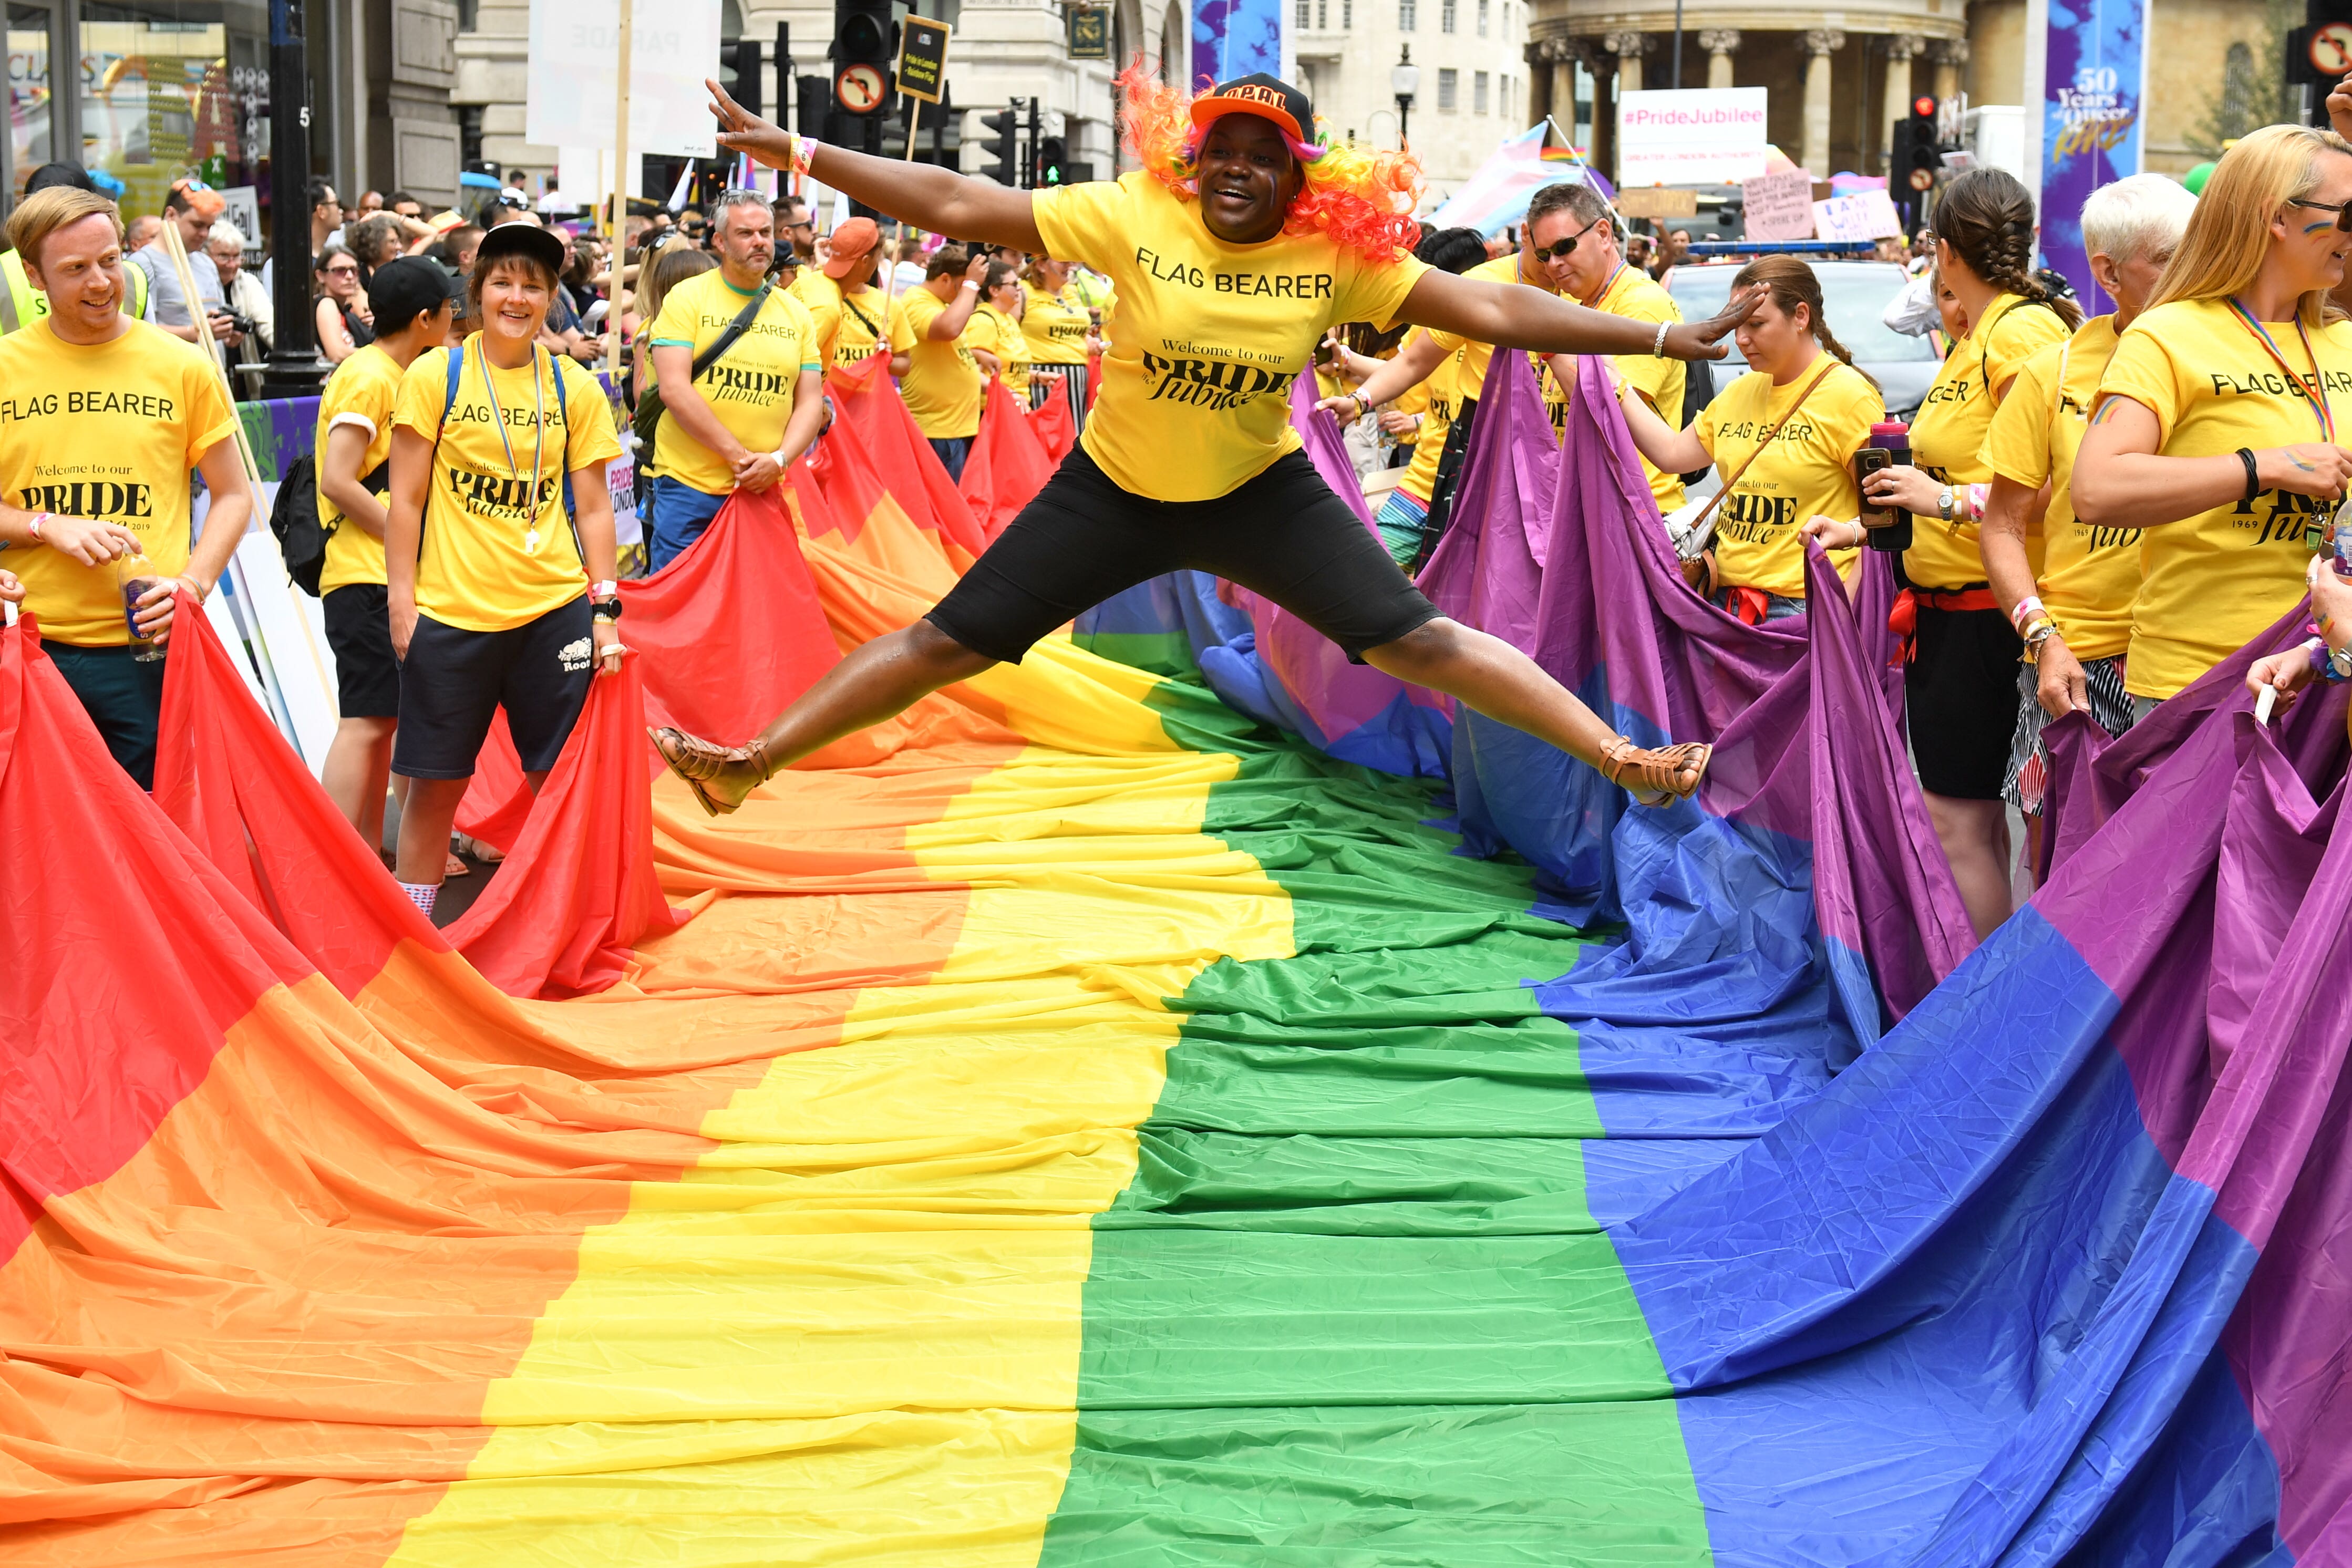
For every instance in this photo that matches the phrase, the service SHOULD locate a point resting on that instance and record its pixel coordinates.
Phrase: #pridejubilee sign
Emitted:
(1698, 136)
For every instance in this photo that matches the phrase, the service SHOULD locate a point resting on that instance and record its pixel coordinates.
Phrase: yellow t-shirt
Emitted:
(1195, 393)
(1055, 325)
(1471, 359)
(1630, 294)
(1947, 438)
(2089, 576)
(106, 431)
(1806, 472)
(361, 392)
(750, 388)
(1419, 480)
(1000, 335)
(817, 295)
(2210, 582)
(943, 382)
(855, 318)
(499, 551)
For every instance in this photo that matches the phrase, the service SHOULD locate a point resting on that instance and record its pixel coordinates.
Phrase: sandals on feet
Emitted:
(1655, 778)
(701, 763)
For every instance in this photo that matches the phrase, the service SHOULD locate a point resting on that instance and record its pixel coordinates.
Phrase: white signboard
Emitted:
(575, 48)
(244, 209)
(1698, 136)
(1858, 218)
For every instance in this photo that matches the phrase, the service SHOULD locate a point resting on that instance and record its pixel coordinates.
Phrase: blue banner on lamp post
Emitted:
(2090, 114)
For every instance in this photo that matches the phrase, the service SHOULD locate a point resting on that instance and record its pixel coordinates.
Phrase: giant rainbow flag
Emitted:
(1080, 1123)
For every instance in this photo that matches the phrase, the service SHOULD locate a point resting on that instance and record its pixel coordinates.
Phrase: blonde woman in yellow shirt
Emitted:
(1781, 437)
(1056, 325)
(2075, 608)
(2218, 428)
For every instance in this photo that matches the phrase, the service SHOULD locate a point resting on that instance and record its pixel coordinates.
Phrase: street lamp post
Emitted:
(295, 369)
(1404, 77)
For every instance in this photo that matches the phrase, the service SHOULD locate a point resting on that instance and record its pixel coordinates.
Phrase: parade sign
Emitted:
(2096, 61)
(1699, 136)
(922, 57)
(1778, 206)
(574, 77)
(1857, 219)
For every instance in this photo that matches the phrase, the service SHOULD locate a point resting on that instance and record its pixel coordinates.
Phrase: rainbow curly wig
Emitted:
(1362, 197)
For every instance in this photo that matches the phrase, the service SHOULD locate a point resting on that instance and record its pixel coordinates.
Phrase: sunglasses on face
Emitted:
(342, 271)
(1560, 249)
(2342, 210)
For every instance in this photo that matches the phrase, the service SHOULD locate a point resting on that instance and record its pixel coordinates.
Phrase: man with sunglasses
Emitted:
(1569, 247)
(192, 206)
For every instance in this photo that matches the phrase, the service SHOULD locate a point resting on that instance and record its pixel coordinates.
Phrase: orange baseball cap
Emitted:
(852, 243)
(1268, 98)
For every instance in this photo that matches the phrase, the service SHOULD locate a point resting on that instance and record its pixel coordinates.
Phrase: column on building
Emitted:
(1950, 55)
(1821, 43)
(1720, 44)
(1629, 49)
(1902, 49)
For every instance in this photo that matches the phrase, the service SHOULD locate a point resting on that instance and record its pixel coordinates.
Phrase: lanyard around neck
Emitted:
(538, 440)
(2314, 389)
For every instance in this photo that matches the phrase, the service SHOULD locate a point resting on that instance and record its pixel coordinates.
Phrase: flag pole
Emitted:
(899, 232)
(621, 197)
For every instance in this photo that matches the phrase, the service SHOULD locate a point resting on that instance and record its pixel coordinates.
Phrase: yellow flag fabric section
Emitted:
(858, 1320)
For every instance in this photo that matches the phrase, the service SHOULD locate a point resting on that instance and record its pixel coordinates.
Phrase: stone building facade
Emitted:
(1473, 89)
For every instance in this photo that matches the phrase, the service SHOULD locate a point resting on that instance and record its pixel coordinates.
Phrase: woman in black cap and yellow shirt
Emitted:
(498, 546)
(1233, 251)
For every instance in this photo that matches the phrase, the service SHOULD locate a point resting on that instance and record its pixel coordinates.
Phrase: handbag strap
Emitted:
(1699, 522)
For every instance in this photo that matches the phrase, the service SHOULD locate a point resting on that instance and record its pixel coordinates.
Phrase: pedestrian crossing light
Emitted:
(1052, 154)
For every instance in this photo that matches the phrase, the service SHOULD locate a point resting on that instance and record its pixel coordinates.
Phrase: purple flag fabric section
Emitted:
(1563, 555)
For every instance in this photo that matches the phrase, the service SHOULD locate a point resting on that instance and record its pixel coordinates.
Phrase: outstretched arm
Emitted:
(921, 193)
(1512, 315)
(1413, 365)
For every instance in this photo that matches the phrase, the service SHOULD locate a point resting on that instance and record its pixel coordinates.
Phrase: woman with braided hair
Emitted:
(1960, 683)
(1235, 247)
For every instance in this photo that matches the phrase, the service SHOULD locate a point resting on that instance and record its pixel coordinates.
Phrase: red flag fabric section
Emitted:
(731, 631)
(1052, 423)
(579, 888)
(125, 975)
(227, 778)
(497, 800)
(1007, 466)
(908, 467)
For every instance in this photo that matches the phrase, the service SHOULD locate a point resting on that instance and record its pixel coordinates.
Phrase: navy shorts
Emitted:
(454, 681)
(1282, 534)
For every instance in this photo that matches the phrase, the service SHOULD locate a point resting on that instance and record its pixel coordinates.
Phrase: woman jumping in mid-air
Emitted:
(1231, 253)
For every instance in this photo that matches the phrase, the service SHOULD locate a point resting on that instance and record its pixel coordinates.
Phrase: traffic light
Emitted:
(814, 98)
(1052, 154)
(1003, 132)
(861, 56)
(741, 74)
(1920, 159)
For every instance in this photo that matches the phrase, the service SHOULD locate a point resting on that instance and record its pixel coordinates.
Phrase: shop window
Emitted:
(171, 90)
(29, 144)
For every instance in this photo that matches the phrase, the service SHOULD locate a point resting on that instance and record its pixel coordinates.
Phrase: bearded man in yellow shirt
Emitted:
(102, 418)
(1237, 246)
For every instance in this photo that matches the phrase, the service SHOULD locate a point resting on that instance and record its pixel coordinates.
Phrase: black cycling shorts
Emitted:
(367, 674)
(1283, 535)
(1960, 693)
(454, 681)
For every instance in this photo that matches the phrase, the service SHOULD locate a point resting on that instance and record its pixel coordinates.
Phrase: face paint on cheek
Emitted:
(2312, 228)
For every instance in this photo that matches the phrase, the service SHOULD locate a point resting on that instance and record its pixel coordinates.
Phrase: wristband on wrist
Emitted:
(2253, 474)
(804, 152)
(1658, 346)
(972, 284)
(1976, 498)
(603, 589)
(2027, 607)
(39, 517)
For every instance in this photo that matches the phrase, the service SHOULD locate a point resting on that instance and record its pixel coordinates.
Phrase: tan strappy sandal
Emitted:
(1654, 778)
(701, 763)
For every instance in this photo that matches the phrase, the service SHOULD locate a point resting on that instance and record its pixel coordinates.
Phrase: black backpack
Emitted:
(294, 521)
